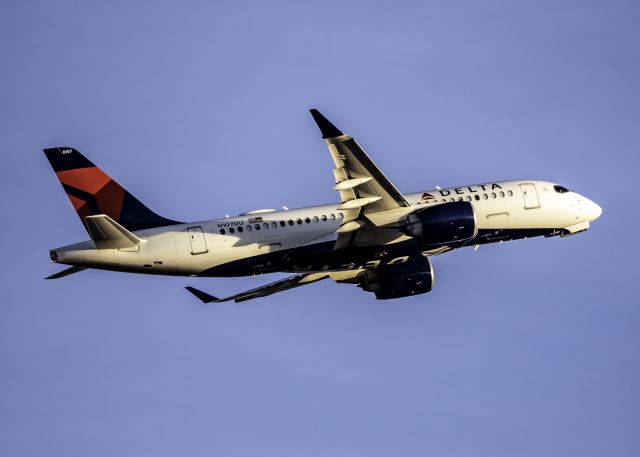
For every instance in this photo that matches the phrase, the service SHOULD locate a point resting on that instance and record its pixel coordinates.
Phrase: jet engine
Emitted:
(446, 224)
(397, 281)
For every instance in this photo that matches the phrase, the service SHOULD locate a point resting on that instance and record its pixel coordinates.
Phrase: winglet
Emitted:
(203, 296)
(327, 129)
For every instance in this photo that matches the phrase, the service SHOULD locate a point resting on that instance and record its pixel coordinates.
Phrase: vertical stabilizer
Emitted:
(93, 192)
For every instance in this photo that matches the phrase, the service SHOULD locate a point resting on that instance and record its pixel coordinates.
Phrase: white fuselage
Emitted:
(526, 207)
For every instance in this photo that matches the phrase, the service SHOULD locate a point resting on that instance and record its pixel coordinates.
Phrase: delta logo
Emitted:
(461, 191)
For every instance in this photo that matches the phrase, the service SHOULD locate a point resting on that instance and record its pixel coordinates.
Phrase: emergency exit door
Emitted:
(530, 196)
(196, 238)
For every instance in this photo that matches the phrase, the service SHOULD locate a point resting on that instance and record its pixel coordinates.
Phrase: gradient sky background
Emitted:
(531, 348)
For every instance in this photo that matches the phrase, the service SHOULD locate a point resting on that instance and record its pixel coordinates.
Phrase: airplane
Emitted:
(375, 237)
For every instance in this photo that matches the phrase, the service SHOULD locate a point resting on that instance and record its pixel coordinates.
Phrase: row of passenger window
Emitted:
(274, 224)
(478, 197)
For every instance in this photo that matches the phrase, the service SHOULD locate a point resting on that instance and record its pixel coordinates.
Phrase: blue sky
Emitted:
(200, 109)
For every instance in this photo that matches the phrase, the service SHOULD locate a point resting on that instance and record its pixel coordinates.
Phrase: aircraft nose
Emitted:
(592, 210)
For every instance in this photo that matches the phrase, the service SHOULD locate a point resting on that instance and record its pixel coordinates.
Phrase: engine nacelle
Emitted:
(397, 281)
(446, 224)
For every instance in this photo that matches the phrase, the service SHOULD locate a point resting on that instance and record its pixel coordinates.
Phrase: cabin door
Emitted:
(196, 238)
(530, 196)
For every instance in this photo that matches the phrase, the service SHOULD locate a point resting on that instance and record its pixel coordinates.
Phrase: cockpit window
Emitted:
(561, 190)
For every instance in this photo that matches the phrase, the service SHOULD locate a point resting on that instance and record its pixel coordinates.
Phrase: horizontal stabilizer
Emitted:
(108, 234)
(66, 272)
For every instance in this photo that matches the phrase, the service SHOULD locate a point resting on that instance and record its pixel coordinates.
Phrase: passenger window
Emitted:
(265, 226)
(222, 231)
(477, 197)
(340, 215)
(460, 199)
(307, 220)
(239, 229)
(501, 194)
(468, 198)
(510, 193)
(274, 225)
(444, 200)
(257, 226)
(249, 228)
(316, 218)
(493, 195)
(231, 230)
(324, 218)
(452, 199)
(282, 223)
(332, 216)
(485, 196)
(290, 222)
(299, 221)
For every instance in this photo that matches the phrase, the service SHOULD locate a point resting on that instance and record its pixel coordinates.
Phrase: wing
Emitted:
(290, 282)
(367, 197)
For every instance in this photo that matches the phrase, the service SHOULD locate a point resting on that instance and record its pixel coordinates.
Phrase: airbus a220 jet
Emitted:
(374, 237)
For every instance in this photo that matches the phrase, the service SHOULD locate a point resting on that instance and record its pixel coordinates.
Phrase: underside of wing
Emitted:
(290, 282)
(413, 276)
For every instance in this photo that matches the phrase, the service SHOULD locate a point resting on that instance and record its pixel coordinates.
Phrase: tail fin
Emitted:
(93, 192)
